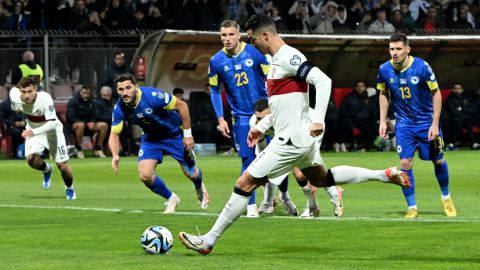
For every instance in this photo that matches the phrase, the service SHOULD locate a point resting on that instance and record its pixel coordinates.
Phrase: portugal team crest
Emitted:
(295, 60)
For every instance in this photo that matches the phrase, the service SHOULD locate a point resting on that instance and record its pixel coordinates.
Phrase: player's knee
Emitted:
(298, 174)
(406, 164)
(102, 126)
(31, 160)
(145, 177)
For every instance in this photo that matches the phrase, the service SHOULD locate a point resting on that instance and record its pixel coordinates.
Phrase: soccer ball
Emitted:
(156, 240)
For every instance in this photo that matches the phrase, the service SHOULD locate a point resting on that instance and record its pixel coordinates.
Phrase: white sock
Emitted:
(48, 168)
(232, 210)
(352, 175)
(332, 192)
(444, 197)
(269, 193)
(412, 207)
(311, 199)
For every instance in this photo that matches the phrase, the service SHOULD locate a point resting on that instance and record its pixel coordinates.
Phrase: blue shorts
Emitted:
(155, 149)
(240, 132)
(409, 138)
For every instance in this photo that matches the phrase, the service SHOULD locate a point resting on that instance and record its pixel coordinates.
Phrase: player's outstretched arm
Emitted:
(114, 144)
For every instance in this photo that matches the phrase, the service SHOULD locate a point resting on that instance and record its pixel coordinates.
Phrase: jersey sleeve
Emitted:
(429, 77)
(381, 85)
(160, 99)
(15, 99)
(213, 77)
(253, 121)
(117, 119)
(50, 113)
(293, 62)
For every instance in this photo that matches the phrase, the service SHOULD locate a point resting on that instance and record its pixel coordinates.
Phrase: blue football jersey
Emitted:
(243, 76)
(153, 113)
(410, 90)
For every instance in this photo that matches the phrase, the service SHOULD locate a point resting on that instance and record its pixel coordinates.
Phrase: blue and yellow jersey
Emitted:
(243, 76)
(153, 113)
(410, 90)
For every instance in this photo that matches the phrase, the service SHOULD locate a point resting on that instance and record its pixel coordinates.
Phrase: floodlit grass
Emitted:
(101, 230)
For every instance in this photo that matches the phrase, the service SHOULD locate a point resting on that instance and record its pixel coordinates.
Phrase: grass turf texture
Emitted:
(101, 230)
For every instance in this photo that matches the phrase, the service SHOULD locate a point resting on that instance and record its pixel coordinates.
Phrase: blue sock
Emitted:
(409, 193)
(245, 163)
(160, 188)
(283, 187)
(197, 182)
(441, 172)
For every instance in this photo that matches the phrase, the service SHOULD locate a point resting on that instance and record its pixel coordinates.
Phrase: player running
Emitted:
(154, 111)
(43, 131)
(294, 143)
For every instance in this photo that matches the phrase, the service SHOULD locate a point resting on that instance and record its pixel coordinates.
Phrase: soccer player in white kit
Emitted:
(43, 131)
(294, 140)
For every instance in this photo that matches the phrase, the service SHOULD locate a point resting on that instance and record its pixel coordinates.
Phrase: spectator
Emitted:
(204, 119)
(117, 17)
(457, 106)
(355, 112)
(365, 23)
(356, 13)
(93, 24)
(119, 66)
(178, 93)
(461, 21)
(28, 68)
(155, 19)
(184, 14)
(76, 15)
(397, 22)
(15, 122)
(206, 15)
(328, 17)
(473, 110)
(381, 25)
(407, 17)
(299, 12)
(139, 20)
(18, 21)
(279, 22)
(430, 22)
(417, 8)
(258, 7)
(234, 10)
(82, 120)
(3, 19)
(333, 135)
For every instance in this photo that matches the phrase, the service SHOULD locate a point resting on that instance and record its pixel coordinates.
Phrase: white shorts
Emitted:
(51, 140)
(276, 161)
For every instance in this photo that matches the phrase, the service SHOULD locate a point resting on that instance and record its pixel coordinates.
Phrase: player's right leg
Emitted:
(312, 209)
(234, 208)
(34, 147)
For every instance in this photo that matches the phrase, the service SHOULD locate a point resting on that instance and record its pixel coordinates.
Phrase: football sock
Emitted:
(332, 192)
(441, 172)
(351, 175)
(251, 201)
(160, 188)
(232, 210)
(68, 181)
(311, 199)
(269, 193)
(409, 193)
(245, 163)
(197, 182)
(283, 187)
(47, 169)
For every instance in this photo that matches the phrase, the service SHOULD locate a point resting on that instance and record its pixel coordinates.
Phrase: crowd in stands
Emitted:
(297, 16)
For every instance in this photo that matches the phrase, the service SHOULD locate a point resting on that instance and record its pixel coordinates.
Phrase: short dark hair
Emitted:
(264, 22)
(125, 77)
(261, 105)
(177, 90)
(85, 86)
(207, 85)
(26, 82)
(399, 37)
(118, 52)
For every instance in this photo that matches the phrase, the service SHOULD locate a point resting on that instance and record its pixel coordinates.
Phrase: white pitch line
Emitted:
(474, 219)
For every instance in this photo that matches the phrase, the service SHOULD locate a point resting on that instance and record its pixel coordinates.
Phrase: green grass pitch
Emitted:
(101, 230)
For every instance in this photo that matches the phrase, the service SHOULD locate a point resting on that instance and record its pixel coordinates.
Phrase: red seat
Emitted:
(339, 95)
(445, 93)
(5, 141)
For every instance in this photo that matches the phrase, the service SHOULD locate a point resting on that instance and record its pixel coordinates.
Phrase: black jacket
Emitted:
(104, 109)
(456, 105)
(355, 106)
(109, 75)
(79, 110)
(8, 116)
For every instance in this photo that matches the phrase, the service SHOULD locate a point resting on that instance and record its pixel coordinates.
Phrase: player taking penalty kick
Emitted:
(294, 140)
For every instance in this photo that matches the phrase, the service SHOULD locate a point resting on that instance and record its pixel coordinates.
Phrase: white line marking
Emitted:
(473, 219)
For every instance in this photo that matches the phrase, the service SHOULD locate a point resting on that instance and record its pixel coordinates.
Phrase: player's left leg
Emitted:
(285, 198)
(67, 177)
(34, 147)
(312, 209)
(235, 206)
